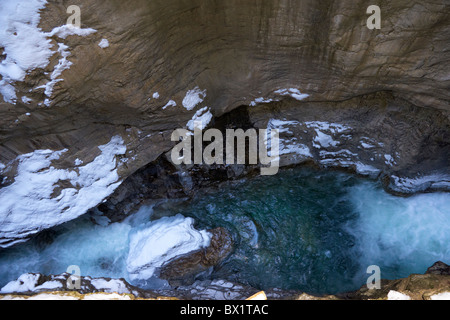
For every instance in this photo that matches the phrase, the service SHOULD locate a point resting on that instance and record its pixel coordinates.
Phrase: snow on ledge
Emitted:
(35, 201)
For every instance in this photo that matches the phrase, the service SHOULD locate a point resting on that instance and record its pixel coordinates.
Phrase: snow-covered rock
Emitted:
(159, 242)
(37, 199)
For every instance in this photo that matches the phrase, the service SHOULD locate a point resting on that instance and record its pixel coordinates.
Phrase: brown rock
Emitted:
(439, 268)
(183, 270)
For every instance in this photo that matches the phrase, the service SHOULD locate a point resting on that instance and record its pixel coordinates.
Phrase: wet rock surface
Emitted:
(183, 270)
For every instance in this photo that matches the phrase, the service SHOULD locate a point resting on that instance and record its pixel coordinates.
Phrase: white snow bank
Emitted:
(25, 283)
(193, 98)
(33, 202)
(161, 241)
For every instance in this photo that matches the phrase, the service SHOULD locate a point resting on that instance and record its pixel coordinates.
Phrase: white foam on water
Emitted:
(401, 235)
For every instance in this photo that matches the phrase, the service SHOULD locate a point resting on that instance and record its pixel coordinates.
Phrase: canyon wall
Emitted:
(109, 97)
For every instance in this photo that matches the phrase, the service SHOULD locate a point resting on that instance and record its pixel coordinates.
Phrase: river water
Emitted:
(303, 229)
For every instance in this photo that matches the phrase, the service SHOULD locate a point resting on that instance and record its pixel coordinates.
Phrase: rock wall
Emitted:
(166, 60)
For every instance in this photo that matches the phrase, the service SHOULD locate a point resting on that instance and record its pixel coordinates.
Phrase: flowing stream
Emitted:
(303, 229)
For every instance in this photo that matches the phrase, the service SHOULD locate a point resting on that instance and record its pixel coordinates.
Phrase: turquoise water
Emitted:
(303, 229)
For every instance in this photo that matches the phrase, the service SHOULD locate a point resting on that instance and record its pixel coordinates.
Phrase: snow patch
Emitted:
(420, 183)
(395, 295)
(389, 160)
(104, 43)
(288, 146)
(110, 286)
(193, 98)
(260, 100)
(294, 93)
(367, 170)
(62, 65)
(26, 100)
(171, 103)
(25, 45)
(366, 145)
(70, 30)
(441, 296)
(323, 139)
(200, 119)
(25, 283)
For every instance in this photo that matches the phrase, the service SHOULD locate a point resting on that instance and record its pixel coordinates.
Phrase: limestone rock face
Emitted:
(143, 68)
